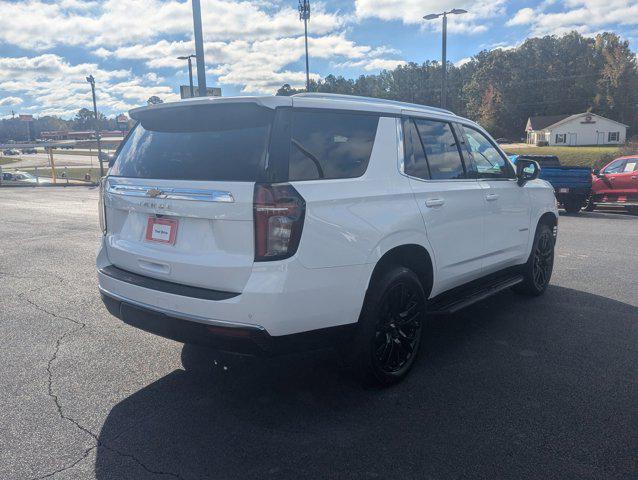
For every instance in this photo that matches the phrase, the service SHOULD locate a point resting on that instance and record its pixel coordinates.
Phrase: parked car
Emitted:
(504, 140)
(105, 157)
(22, 177)
(616, 185)
(29, 150)
(266, 225)
(10, 151)
(572, 185)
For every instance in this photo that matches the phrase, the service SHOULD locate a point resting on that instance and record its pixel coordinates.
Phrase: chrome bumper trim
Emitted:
(192, 194)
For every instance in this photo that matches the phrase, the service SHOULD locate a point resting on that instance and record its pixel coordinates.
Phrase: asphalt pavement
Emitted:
(510, 388)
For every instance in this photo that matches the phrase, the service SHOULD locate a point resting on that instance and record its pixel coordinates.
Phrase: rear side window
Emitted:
(441, 150)
(222, 142)
(415, 164)
(631, 165)
(330, 145)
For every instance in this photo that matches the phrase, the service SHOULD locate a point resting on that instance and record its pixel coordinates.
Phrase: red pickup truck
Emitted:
(616, 185)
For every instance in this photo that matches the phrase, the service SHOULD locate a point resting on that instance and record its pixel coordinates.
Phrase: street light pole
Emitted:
(304, 14)
(199, 48)
(91, 80)
(432, 16)
(444, 63)
(190, 72)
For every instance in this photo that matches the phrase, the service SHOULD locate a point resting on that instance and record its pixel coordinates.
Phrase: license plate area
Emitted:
(161, 230)
(563, 190)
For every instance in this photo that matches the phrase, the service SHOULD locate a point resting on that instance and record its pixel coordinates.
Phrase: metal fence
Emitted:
(46, 176)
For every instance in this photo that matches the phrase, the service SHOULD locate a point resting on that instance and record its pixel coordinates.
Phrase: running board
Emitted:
(456, 299)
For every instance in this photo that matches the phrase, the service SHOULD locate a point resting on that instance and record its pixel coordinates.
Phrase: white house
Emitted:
(573, 130)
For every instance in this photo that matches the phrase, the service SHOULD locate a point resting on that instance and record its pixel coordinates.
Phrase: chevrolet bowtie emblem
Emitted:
(154, 192)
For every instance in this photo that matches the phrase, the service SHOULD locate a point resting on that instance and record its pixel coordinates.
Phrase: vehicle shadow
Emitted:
(509, 388)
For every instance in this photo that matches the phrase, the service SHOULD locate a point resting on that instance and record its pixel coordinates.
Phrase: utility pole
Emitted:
(304, 14)
(199, 47)
(91, 80)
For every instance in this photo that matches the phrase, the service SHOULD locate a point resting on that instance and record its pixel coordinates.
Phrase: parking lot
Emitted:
(508, 388)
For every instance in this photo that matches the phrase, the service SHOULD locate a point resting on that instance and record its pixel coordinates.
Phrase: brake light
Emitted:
(278, 212)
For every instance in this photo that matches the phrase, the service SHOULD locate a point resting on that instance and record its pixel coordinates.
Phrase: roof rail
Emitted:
(383, 101)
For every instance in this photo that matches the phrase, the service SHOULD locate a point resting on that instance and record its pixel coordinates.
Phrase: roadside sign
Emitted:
(25, 118)
(122, 121)
(185, 91)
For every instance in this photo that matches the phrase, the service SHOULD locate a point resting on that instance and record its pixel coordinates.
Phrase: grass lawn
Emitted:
(73, 173)
(575, 156)
(8, 160)
(82, 152)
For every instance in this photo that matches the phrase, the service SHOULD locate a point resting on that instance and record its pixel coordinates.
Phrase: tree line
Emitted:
(502, 88)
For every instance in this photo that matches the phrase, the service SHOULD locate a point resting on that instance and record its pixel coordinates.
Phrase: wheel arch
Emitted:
(413, 256)
(548, 218)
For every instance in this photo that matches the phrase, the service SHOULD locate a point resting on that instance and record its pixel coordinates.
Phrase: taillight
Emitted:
(101, 204)
(279, 214)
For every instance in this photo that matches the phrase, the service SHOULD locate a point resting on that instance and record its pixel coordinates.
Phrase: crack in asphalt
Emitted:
(58, 405)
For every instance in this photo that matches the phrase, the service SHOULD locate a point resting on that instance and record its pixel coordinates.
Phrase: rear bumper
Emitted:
(573, 194)
(233, 338)
(281, 298)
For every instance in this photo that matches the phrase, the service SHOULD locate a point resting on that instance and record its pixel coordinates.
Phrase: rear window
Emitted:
(441, 150)
(222, 142)
(330, 144)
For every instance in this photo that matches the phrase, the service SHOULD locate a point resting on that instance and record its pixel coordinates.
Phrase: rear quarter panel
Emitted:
(355, 221)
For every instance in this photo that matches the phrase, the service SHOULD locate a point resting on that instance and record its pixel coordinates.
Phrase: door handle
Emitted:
(434, 202)
(634, 177)
(491, 197)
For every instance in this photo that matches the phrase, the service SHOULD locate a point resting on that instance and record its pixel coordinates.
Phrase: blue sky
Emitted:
(253, 46)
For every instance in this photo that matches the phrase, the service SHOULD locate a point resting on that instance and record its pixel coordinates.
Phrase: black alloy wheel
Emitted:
(398, 333)
(543, 259)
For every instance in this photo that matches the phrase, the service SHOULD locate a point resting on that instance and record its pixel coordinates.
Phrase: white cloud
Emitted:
(463, 61)
(260, 65)
(248, 43)
(57, 87)
(584, 16)
(36, 24)
(9, 101)
(524, 16)
(371, 64)
(412, 12)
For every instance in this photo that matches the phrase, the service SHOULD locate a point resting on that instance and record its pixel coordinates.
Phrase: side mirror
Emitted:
(527, 170)
(596, 172)
(111, 160)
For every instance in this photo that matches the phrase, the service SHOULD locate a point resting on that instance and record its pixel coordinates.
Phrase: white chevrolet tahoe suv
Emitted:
(263, 225)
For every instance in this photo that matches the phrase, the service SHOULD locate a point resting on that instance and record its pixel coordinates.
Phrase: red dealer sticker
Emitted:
(161, 230)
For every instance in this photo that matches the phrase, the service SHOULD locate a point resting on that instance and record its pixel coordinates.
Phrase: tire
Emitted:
(390, 328)
(537, 271)
(572, 207)
(632, 210)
